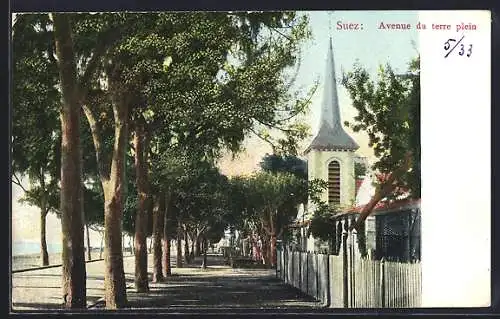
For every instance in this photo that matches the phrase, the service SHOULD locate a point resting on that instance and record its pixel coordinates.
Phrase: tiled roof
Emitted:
(380, 208)
(383, 206)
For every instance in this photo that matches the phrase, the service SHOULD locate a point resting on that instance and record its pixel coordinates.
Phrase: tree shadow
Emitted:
(36, 287)
(221, 292)
(37, 305)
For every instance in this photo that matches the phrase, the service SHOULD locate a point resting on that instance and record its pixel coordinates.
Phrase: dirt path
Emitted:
(217, 287)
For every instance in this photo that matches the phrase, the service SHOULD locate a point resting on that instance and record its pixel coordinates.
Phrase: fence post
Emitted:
(352, 268)
(300, 270)
(285, 263)
(307, 273)
(317, 276)
(328, 292)
(382, 279)
(344, 266)
(293, 272)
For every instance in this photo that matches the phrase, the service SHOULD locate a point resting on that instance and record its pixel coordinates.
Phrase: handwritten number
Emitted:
(449, 46)
(461, 49)
(447, 43)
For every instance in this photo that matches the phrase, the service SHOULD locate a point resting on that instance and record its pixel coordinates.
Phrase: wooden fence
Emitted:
(349, 281)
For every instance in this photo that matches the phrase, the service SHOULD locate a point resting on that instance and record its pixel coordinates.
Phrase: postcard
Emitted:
(241, 161)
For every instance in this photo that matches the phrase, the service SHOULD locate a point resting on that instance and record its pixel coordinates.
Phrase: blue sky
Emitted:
(370, 46)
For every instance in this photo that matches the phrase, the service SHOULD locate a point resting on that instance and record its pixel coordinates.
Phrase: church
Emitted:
(392, 230)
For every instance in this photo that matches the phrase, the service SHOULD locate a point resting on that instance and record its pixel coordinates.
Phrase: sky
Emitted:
(370, 46)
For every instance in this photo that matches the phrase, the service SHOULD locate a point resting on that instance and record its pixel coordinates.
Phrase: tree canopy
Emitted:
(389, 111)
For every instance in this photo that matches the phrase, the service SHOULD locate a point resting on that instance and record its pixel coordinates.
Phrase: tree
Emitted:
(216, 126)
(166, 166)
(141, 141)
(268, 204)
(284, 163)
(73, 268)
(227, 74)
(389, 111)
(36, 103)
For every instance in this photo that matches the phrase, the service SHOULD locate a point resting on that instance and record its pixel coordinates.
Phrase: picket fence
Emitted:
(355, 283)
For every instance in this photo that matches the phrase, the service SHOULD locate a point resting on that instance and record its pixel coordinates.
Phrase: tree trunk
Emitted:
(186, 247)
(192, 246)
(273, 250)
(179, 246)
(166, 257)
(114, 276)
(141, 224)
(133, 246)
(166, 238)
(264, 253)
(101, 249)
(272, 241)
(158, 220)
(382, 191)
(115, 294)
(73, 254)
(197, 249)
(205, 248)
(89, 251)
(43, 237)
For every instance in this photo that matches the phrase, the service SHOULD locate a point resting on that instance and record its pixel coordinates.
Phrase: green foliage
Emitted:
(93, 203)
(284, 163)
(389, 112)
(227, 75)
(322, 222)
(36, 135)
(265, 198)
(359, 170)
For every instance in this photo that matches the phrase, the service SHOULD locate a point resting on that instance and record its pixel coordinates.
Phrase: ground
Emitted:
(190, 288)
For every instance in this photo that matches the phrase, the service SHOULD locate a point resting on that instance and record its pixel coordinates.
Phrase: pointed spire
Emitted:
(331, 135)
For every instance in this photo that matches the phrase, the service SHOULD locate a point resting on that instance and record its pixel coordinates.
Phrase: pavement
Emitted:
(218, 287)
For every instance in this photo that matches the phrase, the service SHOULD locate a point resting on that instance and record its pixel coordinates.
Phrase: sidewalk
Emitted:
(217, 287)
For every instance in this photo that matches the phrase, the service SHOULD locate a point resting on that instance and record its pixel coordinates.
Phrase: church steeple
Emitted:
(331, 135)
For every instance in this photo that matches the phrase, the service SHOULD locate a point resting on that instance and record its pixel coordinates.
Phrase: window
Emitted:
(334, 183)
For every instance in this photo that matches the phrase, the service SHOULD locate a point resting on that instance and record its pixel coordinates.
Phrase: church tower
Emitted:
(330, 155)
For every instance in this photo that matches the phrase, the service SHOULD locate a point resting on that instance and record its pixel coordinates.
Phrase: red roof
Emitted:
(380, 207)
(383, 205)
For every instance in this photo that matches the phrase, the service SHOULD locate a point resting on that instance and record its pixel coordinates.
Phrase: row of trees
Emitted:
(117, 116)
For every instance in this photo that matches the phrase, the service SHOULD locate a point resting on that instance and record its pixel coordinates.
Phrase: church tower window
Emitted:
(334, 183)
